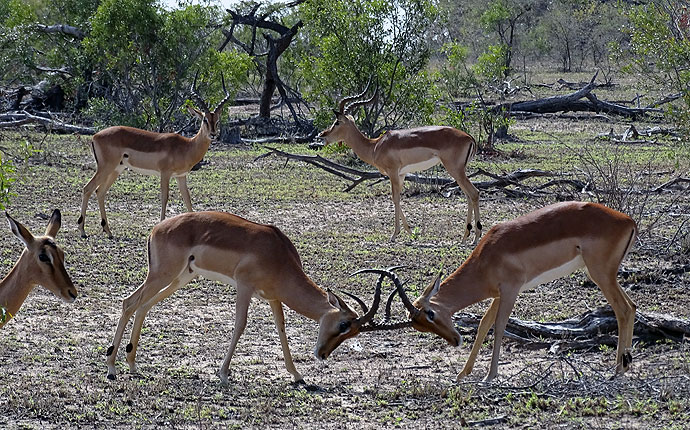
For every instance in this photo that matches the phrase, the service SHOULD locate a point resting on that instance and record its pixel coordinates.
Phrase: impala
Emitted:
(41, 263)
(520, 254)
(399, 152)
(259, 260)
(167, 155)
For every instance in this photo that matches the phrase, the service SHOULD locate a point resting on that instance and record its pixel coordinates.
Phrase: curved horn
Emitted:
(398, 285)
(365, 308)
(197, 98)
(389, 304)
(357, 104)
(227, 95)
(374, 306)
(343, 102)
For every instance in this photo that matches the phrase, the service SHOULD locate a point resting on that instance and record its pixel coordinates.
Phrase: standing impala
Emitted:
(516, 255)
(41, 263)
(399, 152)
(167, 155)
(259, 260)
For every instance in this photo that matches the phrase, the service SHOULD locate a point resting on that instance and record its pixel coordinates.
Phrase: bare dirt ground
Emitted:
(52, 370)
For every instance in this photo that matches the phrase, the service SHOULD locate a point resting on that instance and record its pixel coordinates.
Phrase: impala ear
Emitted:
(195, 112)
(337, 302)
(54, 224)
(20, 231)
(431, 290)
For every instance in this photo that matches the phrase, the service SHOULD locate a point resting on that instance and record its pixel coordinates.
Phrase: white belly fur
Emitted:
(555, 273)
(215, 276)
(418, 167)
(125, 163)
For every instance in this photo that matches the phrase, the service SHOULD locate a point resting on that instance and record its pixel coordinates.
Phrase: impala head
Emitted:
(210, 120)
(344, 121)
(427, 316)
(44, 260)
(342, 323)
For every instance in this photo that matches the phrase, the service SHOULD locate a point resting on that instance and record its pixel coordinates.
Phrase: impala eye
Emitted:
(44, 258)
(430, 314)
(337, 123)
(344, 326)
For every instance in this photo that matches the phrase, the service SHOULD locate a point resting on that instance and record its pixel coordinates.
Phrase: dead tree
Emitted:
(275, 48)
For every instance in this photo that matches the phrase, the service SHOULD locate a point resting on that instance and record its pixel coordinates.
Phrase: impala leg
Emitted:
(101, 191)
(89, 188)
(487, 321)
(505, 307)
(623, 308)
(396, 188)
(129, 305)
(472, 204)
(165, 190)
(131, 349)
(244, 296)
(402, 214)
(184, 192)
(279, 319)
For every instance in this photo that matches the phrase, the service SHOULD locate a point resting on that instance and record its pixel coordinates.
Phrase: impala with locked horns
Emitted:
(258, 260)
(167, 155)
(399, 152)
(520, 254)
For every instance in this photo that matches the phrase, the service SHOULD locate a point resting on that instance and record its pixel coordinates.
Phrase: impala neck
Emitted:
(15, 288)
(306, 298)
(464, 287)
(201, 140)
(362, 145)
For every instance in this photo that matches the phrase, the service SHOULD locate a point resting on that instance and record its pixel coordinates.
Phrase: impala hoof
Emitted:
(112, 376)
(627, 360)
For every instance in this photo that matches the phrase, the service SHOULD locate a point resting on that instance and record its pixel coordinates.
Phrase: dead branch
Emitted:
(588, 330)
(669, 184)
(61, 29)
(24, 118)
(632, 136)
(356, 176)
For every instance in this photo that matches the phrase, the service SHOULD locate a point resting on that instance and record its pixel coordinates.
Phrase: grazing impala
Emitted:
(399, 152)
(41, 263)
(259, 260)
(516, 255)
(167, 155)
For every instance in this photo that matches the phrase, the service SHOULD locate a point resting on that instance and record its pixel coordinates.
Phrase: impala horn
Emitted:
(365, 322)
(399, 288)
(227, 95)
(197, 98)
(345, 108)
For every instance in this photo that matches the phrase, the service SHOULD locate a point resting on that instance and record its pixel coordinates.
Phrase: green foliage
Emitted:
(355, 40)
(660, 50)
(460, 78)
(7, 178)
(496, 15)
(148, 56)
(491, 64)
(4, 315)
(106, 113)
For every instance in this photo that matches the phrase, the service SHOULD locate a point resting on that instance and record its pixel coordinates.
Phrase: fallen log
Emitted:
(573, 103)
(24, 118)
(548, 104)
(588, 330)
